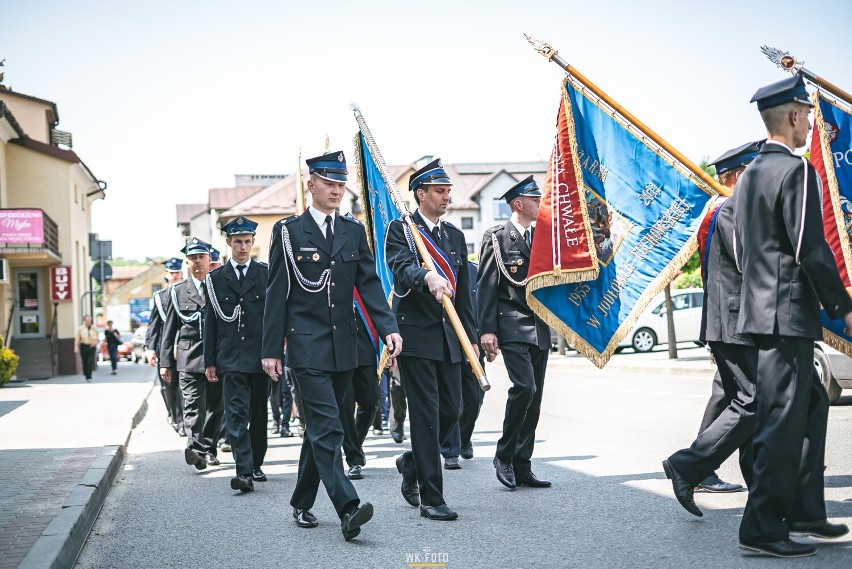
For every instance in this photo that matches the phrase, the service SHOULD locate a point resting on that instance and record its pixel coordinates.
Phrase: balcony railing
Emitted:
(27, 231)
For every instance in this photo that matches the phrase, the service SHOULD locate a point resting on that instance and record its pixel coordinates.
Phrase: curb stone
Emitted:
(62, 540)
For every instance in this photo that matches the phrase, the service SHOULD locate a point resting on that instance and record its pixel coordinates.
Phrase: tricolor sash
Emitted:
(368, 323)
(705, 234)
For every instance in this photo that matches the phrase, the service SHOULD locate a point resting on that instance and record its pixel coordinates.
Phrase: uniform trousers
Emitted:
(526, 365)
(433, 389)
(245, 415)
(399, 407)
(172, 397)
(281, 400)
(789, 441)
(717, 403)
(364, 392)
(203, 411)
(321, 458)
(470, 404)
(734, 427)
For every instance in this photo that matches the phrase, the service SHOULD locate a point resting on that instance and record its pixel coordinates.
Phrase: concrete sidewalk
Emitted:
(62, 441)
(692, 361)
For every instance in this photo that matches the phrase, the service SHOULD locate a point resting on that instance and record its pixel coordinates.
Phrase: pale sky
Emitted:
(168, 99)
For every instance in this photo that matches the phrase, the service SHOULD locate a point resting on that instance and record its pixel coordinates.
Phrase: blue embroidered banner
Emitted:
(644, 210)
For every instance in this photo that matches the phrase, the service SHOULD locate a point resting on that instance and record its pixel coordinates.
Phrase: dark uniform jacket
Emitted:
(721, 309)
(155, 323)
(185, 335)
(319, 327)
(227, 347)
(502, 306)
(366, 351)
(787, 266)
(423, 322)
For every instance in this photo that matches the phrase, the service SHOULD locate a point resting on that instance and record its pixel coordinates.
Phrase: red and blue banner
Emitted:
(831, 156)
(643, 210)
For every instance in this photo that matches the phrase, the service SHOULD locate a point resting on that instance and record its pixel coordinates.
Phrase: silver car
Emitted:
(834, 369)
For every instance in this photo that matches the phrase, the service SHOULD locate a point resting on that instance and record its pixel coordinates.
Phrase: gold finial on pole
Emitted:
(787, 62)
(551, 54)
(327, 142)
(300, 186)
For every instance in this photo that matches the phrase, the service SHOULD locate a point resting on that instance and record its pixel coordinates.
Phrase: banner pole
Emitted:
(787, 62)
(551, 54)
(402, 206)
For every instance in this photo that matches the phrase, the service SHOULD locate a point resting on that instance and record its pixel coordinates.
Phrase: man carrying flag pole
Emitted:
(430, 362)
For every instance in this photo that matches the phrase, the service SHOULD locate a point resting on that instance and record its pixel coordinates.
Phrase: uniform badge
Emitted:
(520, 262)
(513, 269)
(315, 257)
(299, 257)
(513, 234)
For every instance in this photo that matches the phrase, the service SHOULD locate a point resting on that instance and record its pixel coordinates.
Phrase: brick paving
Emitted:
(36, 484)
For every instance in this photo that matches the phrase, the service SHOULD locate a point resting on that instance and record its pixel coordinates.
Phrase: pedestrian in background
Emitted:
(113, 340)
(87, 342)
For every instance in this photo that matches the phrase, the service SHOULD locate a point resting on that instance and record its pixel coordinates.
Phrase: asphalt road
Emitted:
(601, 439)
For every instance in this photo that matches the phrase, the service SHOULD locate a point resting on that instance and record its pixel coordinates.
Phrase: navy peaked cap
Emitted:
(432, 174)
(239, 226)
(174, 264)
(331, 166)
(196, 246)
(736, 157)
(526, 187)
(784, 91)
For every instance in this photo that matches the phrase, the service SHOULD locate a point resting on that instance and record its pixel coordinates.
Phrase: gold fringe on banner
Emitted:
(836, 342)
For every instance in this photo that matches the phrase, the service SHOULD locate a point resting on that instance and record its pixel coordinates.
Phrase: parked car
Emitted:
(834, 370)
(138, 353)
(125, 348)
(651, 328)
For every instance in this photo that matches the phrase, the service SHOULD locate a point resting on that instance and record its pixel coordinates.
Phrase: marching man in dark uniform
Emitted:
(233, 322)
(507, 323)
(316, 260)
(788, 271)
(170, 390)
(181, 348)
(430, 363)
(736, 358)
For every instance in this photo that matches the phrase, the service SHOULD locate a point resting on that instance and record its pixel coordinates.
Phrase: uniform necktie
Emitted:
(241, 272)
(329, 234)
(436, 235)
(528, 237)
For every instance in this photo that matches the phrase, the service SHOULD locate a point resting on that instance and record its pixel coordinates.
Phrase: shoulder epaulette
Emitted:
(290, 219)
(451, 226)
(495, 229)
(179, 282)
(262, 264)
(351, 219)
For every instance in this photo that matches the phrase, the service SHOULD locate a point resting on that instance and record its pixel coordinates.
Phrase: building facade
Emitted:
(46, 194)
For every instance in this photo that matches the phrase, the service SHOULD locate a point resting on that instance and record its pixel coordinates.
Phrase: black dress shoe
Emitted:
(211, 459)
(505, 473)
(442, 513)
(783, 548)
(258, 475)
(531, 480)
(398, 436)
(285, 431)
(452, 463)
(354, 473)
(304, 518)
(275, 426)
(242, 483)
(409, 489)
(715, 484)
(194, 458)
(467, 451)
(683, 490)
(350, 524)
(823, 529)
